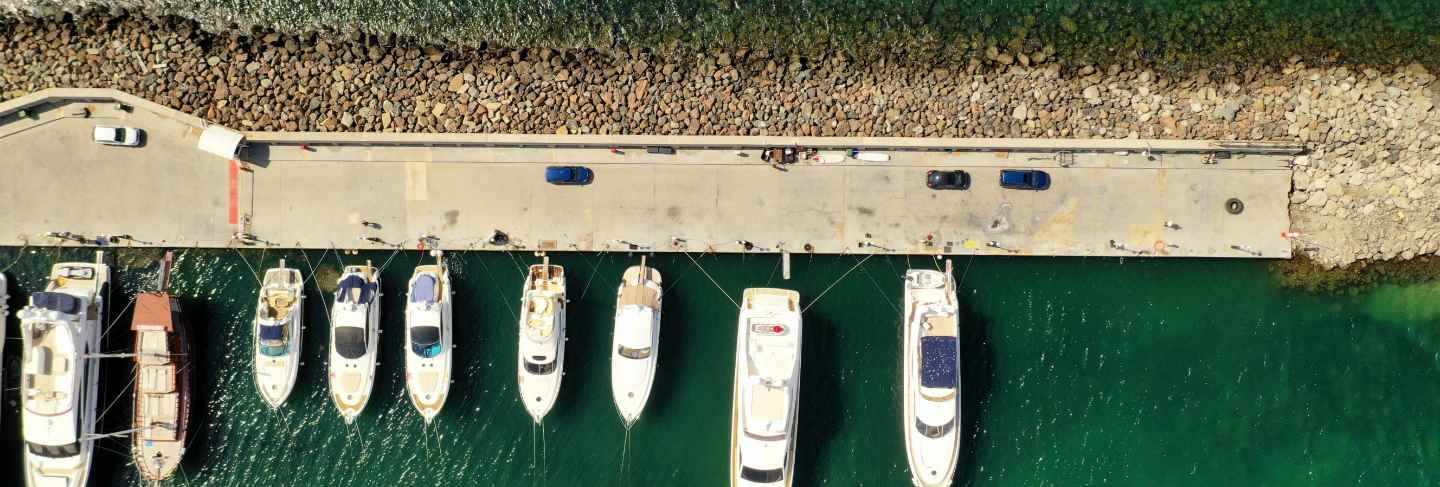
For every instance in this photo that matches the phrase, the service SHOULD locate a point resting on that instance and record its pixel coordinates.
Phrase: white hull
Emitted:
(353, 379)
(762, 453)
(542, 335)
(4, 320)
(65, 427)
(427, 379)
(635, 349)
(932, 459)
(275, 373)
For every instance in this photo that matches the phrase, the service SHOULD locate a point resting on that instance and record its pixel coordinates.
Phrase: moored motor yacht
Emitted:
(931, 417)
(354, 338)
(279, 326)
(541, 361)
(766, 394)
(59, 378)
(428, 340)
(635, 350)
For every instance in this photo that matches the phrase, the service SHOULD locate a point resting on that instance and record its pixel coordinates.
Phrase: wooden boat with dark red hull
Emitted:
(163, 381)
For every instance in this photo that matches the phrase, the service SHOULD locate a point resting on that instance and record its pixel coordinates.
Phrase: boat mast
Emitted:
(644, 274)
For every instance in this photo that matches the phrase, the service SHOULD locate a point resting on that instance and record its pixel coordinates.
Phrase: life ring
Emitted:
(1234, 206)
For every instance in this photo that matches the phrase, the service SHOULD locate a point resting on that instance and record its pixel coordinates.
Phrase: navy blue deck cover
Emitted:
(423, 291)
(353, 282)
(272, 332)
(61, 302)
(937, 362)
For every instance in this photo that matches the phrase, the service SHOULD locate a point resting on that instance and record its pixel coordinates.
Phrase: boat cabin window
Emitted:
(634, 353)
(350, 341)
(54, 451)
(540, 369)
(762, 476)
(934, 431)
(425, 341)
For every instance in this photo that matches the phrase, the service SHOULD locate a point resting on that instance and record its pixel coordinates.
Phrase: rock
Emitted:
(1227, 110)
(347, 119)
(1020, 112)
(438, 110)
(1092, 93)
(388, 107)
(1005, 58)
(563, 130)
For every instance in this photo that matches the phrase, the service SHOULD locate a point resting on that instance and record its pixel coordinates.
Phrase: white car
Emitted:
(124, 136)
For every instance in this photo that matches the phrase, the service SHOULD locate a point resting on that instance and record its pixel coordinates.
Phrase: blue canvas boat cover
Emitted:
(350, 284)
(61, 302)
(272, 332)
(423, 290)
(937, 362)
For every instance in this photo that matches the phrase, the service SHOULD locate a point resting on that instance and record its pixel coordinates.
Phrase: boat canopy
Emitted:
(268, 332)
(423, 289)
(425, 341)
(356, 290)
(350, 341)
(61, 302)
(937, 362)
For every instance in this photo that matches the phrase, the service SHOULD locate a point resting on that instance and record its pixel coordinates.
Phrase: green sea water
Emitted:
(1076, 372)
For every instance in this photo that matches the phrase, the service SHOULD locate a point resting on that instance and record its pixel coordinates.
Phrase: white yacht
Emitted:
(542, 338)
(636, 346)
(354, 336)
(428, 335)
(279, 325)
(931, 422)
(767, 389)
(59, 377)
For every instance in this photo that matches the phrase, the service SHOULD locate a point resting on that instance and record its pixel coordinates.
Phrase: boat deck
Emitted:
(313, 190)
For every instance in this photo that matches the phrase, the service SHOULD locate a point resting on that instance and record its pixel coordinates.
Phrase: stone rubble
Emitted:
(1366, 191)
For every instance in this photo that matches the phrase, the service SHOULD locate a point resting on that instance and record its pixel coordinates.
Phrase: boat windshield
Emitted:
(425, 341)
(273, 340)
(350, 341)
(54, 451)
(634, 353)
(762, 476)
(539, 368)
(934, 431)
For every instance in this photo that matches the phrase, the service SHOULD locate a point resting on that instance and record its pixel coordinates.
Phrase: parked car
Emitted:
(569, 175)
(956, 179)
(1024, 179)
(124, 136)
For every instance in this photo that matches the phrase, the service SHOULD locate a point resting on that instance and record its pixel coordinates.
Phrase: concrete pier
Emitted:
(313, 190)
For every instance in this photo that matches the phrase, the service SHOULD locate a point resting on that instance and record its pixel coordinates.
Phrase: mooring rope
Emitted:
(18, 256)
(837, 282)
(247, 265)
(116, 320)
(594, 271)
(316, 285)
(506, 302)
(712, 279)
(879, 290)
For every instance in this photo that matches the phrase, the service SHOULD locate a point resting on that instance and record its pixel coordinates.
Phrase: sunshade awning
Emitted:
(221, 141)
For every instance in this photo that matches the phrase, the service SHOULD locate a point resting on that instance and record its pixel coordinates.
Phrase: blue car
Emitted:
(569, 175)
(1024, 179)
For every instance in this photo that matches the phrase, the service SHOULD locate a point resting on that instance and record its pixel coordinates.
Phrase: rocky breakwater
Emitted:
(1364, 192)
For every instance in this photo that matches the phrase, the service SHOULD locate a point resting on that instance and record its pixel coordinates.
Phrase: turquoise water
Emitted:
(1076, 372)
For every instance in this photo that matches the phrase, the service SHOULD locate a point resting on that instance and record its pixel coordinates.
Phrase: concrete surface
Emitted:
(711, 194)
